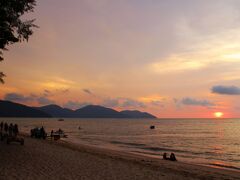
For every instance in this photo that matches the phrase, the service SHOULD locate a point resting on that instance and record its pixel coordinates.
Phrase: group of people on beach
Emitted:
(38, 133)
(10, 130)
(171, 158)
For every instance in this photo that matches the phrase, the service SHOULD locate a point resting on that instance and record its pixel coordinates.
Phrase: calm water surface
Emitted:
(214, 142)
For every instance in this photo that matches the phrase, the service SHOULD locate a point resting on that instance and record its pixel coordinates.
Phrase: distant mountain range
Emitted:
(11, 109)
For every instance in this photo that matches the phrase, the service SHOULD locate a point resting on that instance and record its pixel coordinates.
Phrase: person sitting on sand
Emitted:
(172, 157)
(165, 156)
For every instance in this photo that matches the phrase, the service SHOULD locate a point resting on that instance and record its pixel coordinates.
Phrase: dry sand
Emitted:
(44, 159)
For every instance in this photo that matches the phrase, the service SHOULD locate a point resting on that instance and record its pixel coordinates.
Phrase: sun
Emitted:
(218, 114)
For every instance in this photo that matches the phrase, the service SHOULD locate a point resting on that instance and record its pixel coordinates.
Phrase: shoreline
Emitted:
(140, 157)
(41, 159)
(154, 157)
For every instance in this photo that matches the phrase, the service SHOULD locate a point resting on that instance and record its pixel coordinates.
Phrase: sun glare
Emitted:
(218, 114)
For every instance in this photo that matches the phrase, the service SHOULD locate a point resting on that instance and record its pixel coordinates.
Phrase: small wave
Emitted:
(237, 144)
(209, 153)
(163, 149)
(179, 151)
(126, 143)
(146, 153)
(154, 149)
(224, 166)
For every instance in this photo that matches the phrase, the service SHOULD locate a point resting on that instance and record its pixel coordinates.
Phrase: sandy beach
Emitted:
(45, 159)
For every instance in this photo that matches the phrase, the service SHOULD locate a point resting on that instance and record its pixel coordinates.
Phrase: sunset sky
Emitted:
(168, 57)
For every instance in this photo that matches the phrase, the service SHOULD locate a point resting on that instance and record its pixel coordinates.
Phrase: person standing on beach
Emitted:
(51, 133)
(42, 133)
(6, 128)
(15, 130)
(10, 130)
(1, 126)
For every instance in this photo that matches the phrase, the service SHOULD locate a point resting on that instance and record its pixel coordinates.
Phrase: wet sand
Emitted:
(45, 159)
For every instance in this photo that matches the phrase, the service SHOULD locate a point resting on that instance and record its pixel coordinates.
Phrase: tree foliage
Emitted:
(12, 28)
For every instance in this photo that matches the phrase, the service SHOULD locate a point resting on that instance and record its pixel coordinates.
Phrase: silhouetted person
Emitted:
(10, 129)
(1, 126)
(51, 133)
(165, 156)
(60, 131)
(172, 157)
(6, 128)
(42, 132)
(15, 130)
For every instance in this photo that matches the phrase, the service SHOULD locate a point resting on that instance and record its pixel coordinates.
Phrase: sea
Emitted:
(209, 142)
